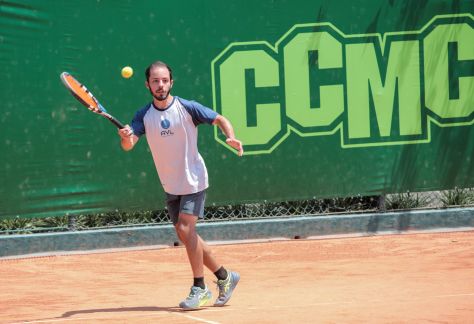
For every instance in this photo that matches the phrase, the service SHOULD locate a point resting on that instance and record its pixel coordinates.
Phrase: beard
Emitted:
(161, 97)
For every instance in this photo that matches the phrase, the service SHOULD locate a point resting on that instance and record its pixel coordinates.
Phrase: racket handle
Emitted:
(116, 122)
(113, 120)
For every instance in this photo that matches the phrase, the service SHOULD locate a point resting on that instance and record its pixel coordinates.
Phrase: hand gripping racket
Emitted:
(85, 97)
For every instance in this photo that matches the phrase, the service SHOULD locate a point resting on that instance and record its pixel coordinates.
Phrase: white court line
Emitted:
(456, 295)
(209, 310)
(197, 318)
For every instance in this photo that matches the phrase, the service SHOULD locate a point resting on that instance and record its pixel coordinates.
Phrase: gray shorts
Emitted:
(192, 204)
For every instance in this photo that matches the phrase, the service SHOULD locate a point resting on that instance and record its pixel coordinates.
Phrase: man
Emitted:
(170, 124)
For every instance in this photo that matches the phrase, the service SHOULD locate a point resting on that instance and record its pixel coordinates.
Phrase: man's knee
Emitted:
(184, 231)
(179, 232)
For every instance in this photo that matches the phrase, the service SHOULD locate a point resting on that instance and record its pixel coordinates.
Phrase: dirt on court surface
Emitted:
(409, 278)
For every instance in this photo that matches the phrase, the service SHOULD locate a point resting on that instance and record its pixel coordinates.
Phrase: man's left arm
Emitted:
(226, 127)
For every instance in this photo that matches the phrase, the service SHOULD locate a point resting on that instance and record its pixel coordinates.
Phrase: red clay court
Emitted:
(409, 278)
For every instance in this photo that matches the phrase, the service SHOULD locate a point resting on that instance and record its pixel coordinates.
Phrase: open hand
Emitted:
(235, 143)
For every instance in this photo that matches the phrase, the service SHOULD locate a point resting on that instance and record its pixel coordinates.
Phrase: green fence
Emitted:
(331, 98)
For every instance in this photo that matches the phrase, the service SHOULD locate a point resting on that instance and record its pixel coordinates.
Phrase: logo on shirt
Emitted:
(165, 124)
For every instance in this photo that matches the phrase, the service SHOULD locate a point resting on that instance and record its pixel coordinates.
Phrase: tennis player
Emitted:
(170, 124)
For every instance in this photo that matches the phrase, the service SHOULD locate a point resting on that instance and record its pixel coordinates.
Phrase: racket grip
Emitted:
(112, 119)
(116, 122)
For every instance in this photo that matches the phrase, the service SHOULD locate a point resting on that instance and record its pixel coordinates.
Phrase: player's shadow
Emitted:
(122, 309)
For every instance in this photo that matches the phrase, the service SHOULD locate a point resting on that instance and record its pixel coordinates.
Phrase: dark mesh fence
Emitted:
(457, 197)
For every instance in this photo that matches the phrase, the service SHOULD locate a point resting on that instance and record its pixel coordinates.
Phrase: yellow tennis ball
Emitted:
(127, 72)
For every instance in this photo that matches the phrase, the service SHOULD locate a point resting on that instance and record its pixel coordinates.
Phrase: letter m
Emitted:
(383, 92)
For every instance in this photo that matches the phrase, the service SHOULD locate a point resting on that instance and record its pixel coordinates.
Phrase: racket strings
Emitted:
(81, 93)
(95, 108)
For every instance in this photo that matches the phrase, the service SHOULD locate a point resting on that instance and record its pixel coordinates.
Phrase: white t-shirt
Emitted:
(172, 137)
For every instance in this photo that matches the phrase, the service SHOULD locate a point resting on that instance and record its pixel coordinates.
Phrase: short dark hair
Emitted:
(155, 65)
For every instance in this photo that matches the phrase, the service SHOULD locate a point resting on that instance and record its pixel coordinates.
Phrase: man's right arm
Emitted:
(127, 138)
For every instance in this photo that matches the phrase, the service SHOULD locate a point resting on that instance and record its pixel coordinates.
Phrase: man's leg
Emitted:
(191, 208)
(208, 257)
(226, 280)
(200, 253)
(186, 230)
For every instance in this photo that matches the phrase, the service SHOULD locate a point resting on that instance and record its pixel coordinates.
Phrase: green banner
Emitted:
(331, 98)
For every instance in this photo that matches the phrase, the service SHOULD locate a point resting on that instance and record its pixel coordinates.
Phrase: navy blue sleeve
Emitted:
(137, 124)
(200, 114)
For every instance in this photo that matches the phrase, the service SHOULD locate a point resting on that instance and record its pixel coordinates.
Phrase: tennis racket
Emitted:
(86, 98)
